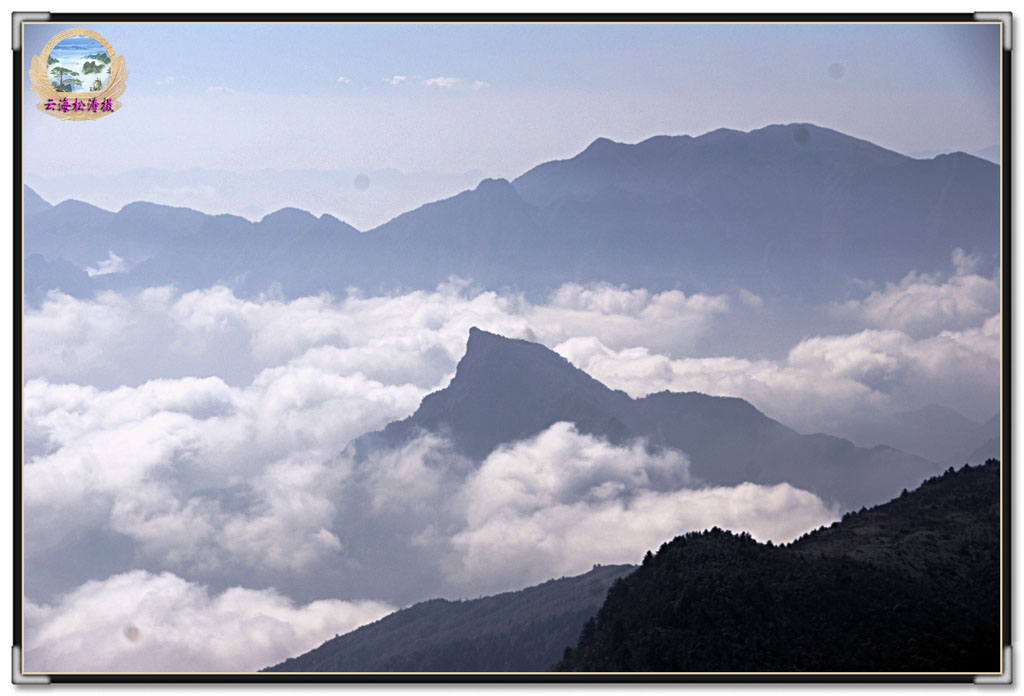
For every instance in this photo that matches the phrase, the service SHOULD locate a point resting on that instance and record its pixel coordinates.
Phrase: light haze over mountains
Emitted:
(797, 210)
(756, 331)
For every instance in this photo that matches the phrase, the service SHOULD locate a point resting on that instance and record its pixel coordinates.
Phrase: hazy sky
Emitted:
(502, 98)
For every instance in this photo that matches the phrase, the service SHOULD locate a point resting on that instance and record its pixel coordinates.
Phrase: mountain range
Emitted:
(936, 433)
(365, 198)
(788, 209)
(505, 390)
(796, 212)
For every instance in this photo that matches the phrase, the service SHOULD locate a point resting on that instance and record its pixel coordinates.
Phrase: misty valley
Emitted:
(722, 403)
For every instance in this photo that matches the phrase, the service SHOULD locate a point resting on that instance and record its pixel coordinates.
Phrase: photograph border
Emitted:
(85, 19)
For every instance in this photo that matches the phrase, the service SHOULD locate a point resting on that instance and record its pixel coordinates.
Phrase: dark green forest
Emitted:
(911, 585)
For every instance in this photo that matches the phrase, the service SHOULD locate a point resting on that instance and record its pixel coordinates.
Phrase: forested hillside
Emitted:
(912, 585)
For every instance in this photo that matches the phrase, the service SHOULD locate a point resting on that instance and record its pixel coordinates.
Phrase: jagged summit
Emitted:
(496, 354)
(482, 340)
(506, 390)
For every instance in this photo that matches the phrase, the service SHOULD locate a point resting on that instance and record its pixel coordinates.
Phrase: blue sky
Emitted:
(504, 97)
(77, 47)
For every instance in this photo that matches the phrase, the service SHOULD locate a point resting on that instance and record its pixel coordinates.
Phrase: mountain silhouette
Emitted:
(936, 433)
(522, 631)
(790, 209)
(506, 390)
(909, 586)
(781, 209)
(33, 203)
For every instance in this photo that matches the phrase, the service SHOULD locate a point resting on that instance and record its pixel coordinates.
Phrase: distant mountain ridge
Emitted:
(786, 209)
(909, 586)
(936, 433)
(522, 631)
(506, 390)
(364, 197)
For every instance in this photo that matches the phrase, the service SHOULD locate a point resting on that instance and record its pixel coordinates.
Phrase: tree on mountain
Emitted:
(63, 74)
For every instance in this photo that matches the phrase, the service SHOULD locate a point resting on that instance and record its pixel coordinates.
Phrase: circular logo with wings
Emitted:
(78, 76)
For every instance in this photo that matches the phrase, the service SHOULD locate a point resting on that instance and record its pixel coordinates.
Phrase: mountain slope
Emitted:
(488, 234)
(932, 432)
(912, 585)
(33, 203)
(506, 390)
(783, 209)
(988, 441)
(523, 631)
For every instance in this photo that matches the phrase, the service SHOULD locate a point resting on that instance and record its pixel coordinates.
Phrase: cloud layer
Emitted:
(922, 305)
(406, 338)
(206, 433)
(558, 502)
(416, 521)
(824, 382)
(144, 622)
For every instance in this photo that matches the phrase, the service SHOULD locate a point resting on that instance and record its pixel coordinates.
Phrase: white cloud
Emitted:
(67, 336)
(550, 505)
(750, 299)
(112, 264)
(480, 84)
(396, 80)
(140, 621)
(558, 502)
(211, 434)
(415, 480)
(442, 81)
(824, 381)
(344, 80)
(923, 305)
(153, 463)
(670, 321)
(305, 376)
(415, 337)
(163, 81)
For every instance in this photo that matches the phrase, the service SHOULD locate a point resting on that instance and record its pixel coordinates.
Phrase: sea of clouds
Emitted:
(190, 503)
